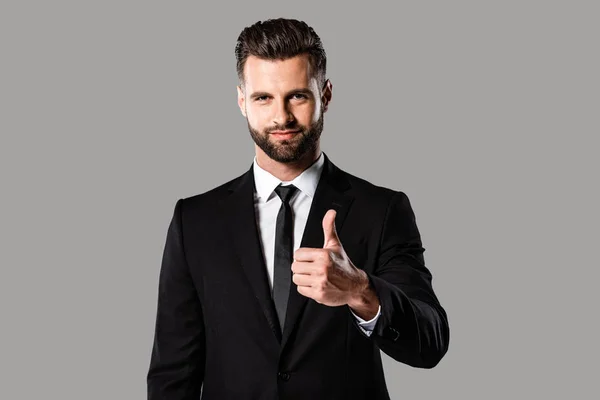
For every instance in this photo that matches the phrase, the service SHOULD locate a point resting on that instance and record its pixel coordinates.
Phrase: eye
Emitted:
(261, 98)
(300, 96)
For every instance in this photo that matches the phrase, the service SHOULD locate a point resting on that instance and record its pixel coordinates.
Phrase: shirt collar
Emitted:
(306, 182)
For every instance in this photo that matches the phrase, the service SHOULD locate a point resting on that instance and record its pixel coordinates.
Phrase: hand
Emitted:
(327, 275)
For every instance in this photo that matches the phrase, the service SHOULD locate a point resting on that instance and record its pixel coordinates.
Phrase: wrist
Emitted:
(364, 301)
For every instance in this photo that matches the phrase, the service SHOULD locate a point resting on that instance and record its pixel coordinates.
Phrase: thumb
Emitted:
(329, 231)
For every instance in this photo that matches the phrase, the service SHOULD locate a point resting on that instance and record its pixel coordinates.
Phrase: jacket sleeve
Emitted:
(176, 369)
(413, 326)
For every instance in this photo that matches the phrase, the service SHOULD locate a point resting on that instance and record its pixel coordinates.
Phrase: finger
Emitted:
(303, 280)
(304, 268)
(329, 231)
(308, 254)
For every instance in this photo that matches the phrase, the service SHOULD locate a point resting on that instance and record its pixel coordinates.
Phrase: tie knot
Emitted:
(285, 193)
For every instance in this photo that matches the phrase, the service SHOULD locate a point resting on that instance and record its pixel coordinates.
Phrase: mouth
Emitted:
(284, 134)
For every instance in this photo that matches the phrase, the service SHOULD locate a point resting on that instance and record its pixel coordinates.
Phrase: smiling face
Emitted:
(283, 95)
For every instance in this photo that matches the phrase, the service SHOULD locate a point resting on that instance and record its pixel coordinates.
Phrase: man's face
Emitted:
(283, 96)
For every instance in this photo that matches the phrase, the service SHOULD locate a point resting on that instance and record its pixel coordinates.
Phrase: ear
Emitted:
(327, 94)
(241, 100)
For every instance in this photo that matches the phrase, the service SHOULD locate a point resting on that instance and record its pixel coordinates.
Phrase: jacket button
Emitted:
(284, 375)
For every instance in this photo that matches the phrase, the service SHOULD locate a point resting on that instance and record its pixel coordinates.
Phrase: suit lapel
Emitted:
(238, 211)
(239, 215)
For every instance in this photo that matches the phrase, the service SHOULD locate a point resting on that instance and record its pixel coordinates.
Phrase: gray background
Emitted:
(484, 113)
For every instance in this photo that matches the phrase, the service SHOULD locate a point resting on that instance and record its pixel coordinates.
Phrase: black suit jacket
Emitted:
(216, 325)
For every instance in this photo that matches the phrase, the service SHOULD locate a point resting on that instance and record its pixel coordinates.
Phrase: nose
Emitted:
(282, 115)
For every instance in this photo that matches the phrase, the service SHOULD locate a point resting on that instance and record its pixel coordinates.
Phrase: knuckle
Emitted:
(327, 258)
(322, 285)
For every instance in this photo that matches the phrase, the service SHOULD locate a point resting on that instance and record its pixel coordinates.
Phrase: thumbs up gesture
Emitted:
(327, 275)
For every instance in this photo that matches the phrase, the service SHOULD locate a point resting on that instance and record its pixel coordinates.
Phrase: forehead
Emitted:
(289, 72)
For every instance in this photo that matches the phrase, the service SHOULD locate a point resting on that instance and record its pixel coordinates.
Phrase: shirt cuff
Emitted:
(367, 326)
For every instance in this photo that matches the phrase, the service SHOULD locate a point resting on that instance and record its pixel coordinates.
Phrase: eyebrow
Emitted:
(305, 91)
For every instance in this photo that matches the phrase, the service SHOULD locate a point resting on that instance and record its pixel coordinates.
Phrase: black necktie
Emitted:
(284, 243)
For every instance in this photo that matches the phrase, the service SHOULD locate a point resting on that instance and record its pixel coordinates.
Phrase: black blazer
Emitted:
(216, 325)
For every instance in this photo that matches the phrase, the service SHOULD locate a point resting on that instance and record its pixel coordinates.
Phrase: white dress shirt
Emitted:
(267, 204)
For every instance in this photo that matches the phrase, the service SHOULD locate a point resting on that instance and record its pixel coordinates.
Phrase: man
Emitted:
(287, 281)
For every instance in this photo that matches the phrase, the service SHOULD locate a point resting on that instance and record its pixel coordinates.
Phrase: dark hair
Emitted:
(281, 38)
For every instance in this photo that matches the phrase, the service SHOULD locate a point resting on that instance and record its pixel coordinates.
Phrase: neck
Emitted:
(286, 171)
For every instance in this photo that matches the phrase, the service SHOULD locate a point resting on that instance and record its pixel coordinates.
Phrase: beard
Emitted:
(288, 150)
